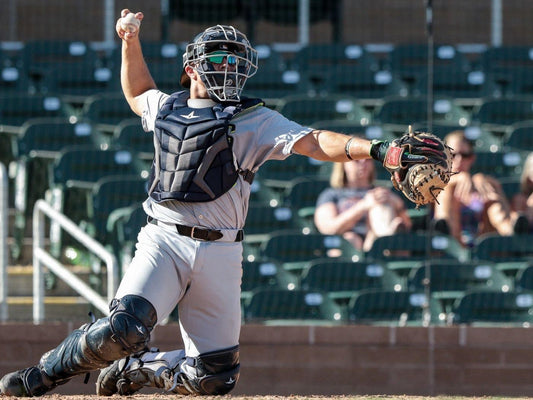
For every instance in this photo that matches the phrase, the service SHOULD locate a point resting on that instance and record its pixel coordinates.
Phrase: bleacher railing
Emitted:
(43, 258)
(4, 216)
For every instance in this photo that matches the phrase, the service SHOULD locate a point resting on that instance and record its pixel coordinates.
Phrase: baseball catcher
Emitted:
(420, 164)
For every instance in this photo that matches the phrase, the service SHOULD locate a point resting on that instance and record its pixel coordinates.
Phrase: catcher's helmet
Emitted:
(216, 45)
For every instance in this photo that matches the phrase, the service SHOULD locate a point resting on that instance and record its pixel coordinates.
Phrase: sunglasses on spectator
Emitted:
(465, 154)
(218, 58)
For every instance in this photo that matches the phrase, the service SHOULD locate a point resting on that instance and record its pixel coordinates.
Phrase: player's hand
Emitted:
(121, 28)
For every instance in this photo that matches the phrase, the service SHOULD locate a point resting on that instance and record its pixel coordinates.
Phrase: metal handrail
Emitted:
(4, 216)
(42, 257)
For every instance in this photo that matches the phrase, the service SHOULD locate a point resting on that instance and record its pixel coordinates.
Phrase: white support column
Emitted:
(496, 26)
(304, 13)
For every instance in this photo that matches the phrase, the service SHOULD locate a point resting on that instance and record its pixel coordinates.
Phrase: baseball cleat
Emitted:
(26, 382)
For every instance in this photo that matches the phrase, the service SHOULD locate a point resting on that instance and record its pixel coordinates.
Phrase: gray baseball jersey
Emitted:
(204, 278)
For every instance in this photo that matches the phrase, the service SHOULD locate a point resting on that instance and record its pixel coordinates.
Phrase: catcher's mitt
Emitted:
(420, 164)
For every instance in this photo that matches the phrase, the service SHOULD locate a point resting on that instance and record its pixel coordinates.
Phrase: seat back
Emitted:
(393, 308)
(414, 246)
(308, 109)
(342, 278)
(494, 307)
(496, 248)
(281, 304)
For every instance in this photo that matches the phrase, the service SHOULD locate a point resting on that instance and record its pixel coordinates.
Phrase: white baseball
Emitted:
(129, 23)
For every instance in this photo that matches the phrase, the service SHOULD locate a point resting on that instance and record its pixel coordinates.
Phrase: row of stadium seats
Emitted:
(77, 69)
(396, 308)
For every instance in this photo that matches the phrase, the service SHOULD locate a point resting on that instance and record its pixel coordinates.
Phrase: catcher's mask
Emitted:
(230, 50)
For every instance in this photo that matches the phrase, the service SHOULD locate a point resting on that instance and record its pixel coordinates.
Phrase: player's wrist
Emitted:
(378, 149)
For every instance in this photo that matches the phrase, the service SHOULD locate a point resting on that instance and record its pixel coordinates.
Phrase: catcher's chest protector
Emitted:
(193, 151)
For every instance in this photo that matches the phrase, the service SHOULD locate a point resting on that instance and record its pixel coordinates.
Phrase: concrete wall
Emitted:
(345, 360)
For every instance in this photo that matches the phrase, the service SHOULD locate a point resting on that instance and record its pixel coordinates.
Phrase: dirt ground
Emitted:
(229, 397)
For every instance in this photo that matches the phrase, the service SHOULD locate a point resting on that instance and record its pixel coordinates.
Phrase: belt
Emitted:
(199, 233)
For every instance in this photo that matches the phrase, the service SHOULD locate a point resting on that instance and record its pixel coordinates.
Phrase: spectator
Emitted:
(473, 204)
(523, 201)
(358, 210)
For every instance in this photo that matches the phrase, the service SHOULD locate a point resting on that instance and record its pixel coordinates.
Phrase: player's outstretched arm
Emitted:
(135, 77)
(331, 146)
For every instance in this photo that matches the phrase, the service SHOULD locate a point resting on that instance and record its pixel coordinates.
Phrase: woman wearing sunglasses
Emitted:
(473, 204)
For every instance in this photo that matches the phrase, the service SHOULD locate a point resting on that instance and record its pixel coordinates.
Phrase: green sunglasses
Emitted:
(218, 58)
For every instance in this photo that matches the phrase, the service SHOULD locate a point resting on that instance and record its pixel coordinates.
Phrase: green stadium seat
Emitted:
(307, 109)
(319, 61)
(279, 306)
(39, 143)
(411, 247)
(123, 226)
(410, 61)
(73, 83)
(294, 249)
(342, 279)
(482, 307)
(39, 57)
(75, 174)
(278, 175)
(496, 248)
(265, 274)
(456, 82)
(519, 137)
(106, 110)
(524, 278)
(450, 279)
(503, 111)
(386, 307)
(500, 164)
(129, 133)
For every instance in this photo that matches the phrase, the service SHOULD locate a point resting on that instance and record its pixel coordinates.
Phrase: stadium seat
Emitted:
(301, 197)
(396, 113)
(519, 137)
(414, 246)
(265, 274)
(130, 134)
(110, 193)
(395, 308)
(318, 61)
(39, 143)
(411, 60)
(294, 249)
(123, 226)
(75, 173)
(274, 79)
(456, 82)
(342, 279)
(504, 61)
(39, 57)
(16, 109)
(262, 220)
(73, 83)
(496, 248)
(450, 279)
(361, 82)
(106, 110)
(278, 306)
(482, 307)
(307, 109)
(500, 164)
(524, 278)
(278, 174)
(503, 111)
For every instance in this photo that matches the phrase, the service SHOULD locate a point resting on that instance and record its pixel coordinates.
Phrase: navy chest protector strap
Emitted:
(194, 159)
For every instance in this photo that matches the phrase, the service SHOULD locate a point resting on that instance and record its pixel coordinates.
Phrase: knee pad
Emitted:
(217, 373)
(125, 331)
